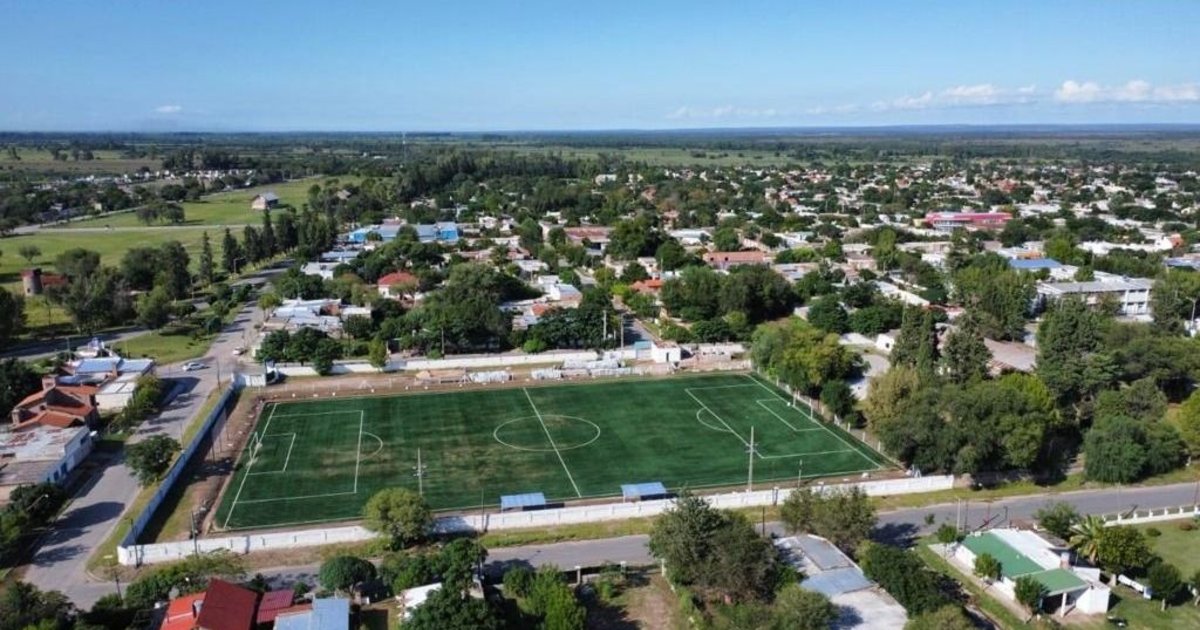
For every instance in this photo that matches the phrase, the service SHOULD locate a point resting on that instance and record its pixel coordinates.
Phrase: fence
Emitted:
(126, 550)
(1152, 516)
(165, 552)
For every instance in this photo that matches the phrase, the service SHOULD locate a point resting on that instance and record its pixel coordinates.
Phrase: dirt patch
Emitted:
(646, 602)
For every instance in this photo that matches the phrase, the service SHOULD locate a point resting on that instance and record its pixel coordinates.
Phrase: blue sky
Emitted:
(500, 65)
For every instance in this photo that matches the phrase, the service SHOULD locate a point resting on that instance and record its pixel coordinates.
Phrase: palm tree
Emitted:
(1085, 537)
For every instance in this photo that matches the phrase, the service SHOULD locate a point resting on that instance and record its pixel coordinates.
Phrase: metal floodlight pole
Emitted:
(420, 475)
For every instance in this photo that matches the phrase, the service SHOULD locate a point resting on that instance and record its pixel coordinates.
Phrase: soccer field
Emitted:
(320, 460)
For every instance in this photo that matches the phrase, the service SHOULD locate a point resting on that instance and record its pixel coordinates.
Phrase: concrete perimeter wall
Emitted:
(130, 554)
(1152, 516)
(453, 362)
(139, 522)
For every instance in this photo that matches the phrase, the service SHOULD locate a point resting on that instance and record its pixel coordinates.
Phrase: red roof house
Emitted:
(57, 405)
(223, 606)
(397, 284)
(726, 260)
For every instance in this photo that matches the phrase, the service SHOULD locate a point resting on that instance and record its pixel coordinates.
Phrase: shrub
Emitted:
(1186, 526)
(517, 581)
(1153, 532)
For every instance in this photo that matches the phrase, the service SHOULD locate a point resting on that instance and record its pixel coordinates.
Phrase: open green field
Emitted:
(320, 460)
(104, 162)
(225, 208)
(110, 244)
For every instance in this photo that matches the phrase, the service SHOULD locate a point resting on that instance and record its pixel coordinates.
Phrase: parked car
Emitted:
(238, 351)
(193, 365)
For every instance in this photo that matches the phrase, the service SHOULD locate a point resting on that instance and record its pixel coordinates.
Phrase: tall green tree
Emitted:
(965, 356)
(151, 457)
(916, 344)
(269, 246)
(231, 253)
(400, 514)
(1029, 593)
(206, 272)
(12, 315)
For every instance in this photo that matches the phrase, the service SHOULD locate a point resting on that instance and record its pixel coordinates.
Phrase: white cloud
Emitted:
(723, 112)
(1135, 91)
(961, 96)
(168, 109)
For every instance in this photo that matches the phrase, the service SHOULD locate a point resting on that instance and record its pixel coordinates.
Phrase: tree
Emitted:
(12, 315)
(1068, 360)
(827, 314)
(154, 308)
(801, 355)
(323, 356)
(400, 514)
(947, 534)
(173, 274)
(1122, 548)
(151, 457)
(341, 573)
(1165, 581)
(23, 605)
(377, 353)
(17, 380)
(269, 246)
(964, 355)
(682, 537)
(231, 253)
(205, 271)
(550, 599)
(800, 609)
(1058, 518)
(1029, 593)
(838, 398)
(987, 567)
(77, 263)
(916, 344)
(1085, 537)
(726, 239)
(446, 609)
(903, 575)
(29, 252)
(461, 560)
(844, 517)
(1188, 421)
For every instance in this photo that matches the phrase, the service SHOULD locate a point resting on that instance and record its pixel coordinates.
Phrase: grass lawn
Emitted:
(1180, 548)
(225, 208)
(104, 161)
(165, 347)
(111, 245)
(321, 460)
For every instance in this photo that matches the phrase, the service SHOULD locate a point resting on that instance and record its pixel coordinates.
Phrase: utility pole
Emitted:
(800, 475)
(750, 471)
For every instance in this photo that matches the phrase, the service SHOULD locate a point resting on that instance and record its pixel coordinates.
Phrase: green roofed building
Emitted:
(1025, 554)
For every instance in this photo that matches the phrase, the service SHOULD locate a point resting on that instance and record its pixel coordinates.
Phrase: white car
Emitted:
(194, 365)
(238, 351)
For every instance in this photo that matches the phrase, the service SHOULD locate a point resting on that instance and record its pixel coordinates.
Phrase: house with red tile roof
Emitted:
(57, 405)
(224, 606)
(397, 285)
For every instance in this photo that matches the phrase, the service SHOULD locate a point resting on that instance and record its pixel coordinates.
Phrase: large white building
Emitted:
(1131, 296)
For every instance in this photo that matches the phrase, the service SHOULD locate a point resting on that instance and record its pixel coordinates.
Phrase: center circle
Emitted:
(529, 433)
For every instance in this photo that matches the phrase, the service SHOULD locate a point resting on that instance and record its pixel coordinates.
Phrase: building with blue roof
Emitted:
(327, 614)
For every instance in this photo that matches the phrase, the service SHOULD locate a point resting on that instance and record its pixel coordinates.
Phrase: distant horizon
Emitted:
(1030, 126)
(308, 65)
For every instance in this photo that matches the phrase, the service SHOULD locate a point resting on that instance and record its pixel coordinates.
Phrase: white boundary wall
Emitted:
(466, 361)
(1153, 516)
(166, 552)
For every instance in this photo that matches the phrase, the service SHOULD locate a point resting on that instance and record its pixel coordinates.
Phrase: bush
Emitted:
(339, 573)
(1153, 532)
(517, 581)
(1186, 526)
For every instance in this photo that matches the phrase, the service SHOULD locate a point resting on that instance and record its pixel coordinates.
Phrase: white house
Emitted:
(1131, 295)
(1023, 553)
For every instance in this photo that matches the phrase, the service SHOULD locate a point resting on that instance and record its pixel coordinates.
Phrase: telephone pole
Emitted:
(420, 474)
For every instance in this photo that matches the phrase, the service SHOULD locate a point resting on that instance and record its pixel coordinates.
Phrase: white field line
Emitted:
(307, 496)
(781, 418)
(552, 444)
(723, 386)
(285, 460)
(714, 414)
(249, 465)
(320, 413)
(819, 423)
(358, 453)
(808, 453)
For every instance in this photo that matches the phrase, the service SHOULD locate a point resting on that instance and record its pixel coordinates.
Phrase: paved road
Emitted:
(40, 349)
(895, 526)
(60, 562)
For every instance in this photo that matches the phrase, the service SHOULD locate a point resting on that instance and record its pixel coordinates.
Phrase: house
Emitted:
(950, 221)
(264, 201)
(440, 232)
(828, 571)
(275, 603)
(1055, 269)
(36, 453)
(1130, 296)
(57, 405)
(323, 270)
(35, 282)
(728, 260)
(397, 285)
(650, 286)
(594, 238)
(223, 606)
(327, 613)
(1026, 554)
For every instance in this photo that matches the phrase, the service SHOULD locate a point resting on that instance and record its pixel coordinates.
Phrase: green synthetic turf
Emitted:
(320, 460)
